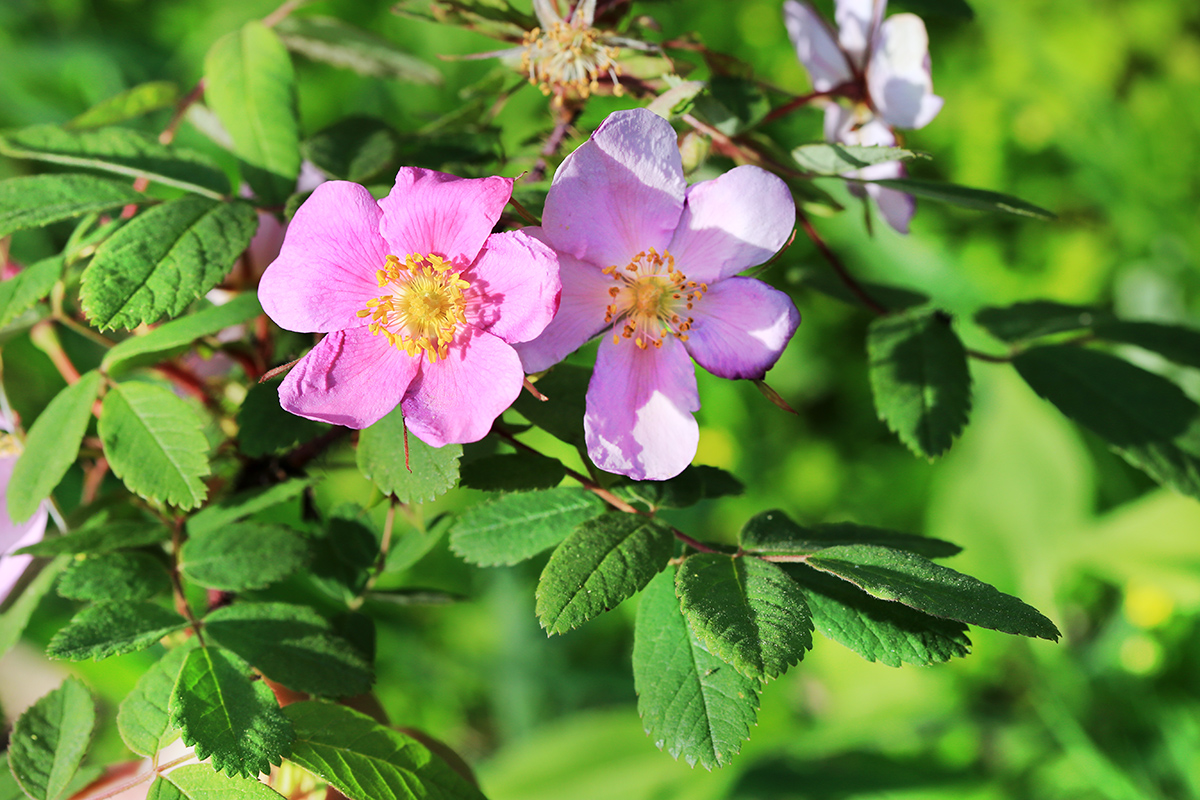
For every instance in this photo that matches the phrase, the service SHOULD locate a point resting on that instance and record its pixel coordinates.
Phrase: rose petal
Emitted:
(639, 419)
(430, 212)
(326, 267)
(730, 223)
(621, 192)
(896, 207)
(741, 327)
(350, 378)
(857, 21)
(514, 287)
(815, 46)
(15, 535)
(458, 398)
(898, 76)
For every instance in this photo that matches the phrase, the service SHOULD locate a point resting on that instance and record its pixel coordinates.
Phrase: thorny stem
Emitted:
(566, 119)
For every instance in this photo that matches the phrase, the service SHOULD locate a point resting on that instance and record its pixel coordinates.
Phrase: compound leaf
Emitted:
(381, 459)
(242, 555)
(513, 528)
(143, 718)
(50, 739)
(31, 201)
(114, 576)
(177, 334)
(129, 104)
(824, 158)
(773, 532)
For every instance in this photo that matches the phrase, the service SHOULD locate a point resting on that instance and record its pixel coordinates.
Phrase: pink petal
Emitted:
(741, 327)
(621, 192)
(15, 535)
(458, 398)
(815, 46)
(432, 212)
(514, 287)
(730, 223)
(897, 207)
(898, 76)
(326, 267)
(350, 378)
(857, 22)
(580, 314)
(639, 419)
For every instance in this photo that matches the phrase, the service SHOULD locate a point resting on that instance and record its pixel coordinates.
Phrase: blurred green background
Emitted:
(1090, 108)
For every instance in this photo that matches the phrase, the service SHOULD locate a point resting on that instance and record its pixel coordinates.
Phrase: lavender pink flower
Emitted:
(14, 535)
(419, 300)
(651, 264)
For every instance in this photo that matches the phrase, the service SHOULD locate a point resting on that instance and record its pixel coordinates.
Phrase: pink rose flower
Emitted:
(420, 301)
(651, 264)
(14, 535)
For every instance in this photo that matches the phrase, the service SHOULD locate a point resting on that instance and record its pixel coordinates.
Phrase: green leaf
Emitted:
(519, 526)
(344, 553)
(965, 197)
(30, 285)
(114, 576)
(241, 556)
(1145, 418)
(292, 645)
(332, 41)
(101, 538)
(32, 201)
(602, 562)
(1022, 321)
(244, 504)
(51, 446)
(50, 739)
(154, 444)
(513, 472)
(170, 337)
(957, 9)
(561, 414)
(919, 378)
(692, 704)
(163, 259)
(113, 628)
(381, 459)
(265, 428)
(354, 149)
(250, 84)
(834, 159)
(9, 788)
(891, 297)
(917, 582)
(774, 533)
(143, 719)
(746, 612)
(227, 716)
(16, 617)
(199, 782)
(732, 104)
(686, 489)
(129, 104)
(878, 630)
(367, 761)
(1173, 342)
(121, 151)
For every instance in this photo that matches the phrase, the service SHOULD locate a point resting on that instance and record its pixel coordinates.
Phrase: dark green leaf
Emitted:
(966, 197)
(957, 9)
(519, 526)
(1173, 342)
(414, 597)
(604, 561)
(561, 414)
(199, 782)
(917, 582)
(292, 645)
(692, 704)
(1029, 320)
(354, 149)
(227, 716)
(153, 442)
(732, 104)
(381, 459)
(112, 629)
(242, 555)
(772, 532)
(244, 504)
(170, 337)
(745, 611)
(367, 761)
(833, 159)
(513, 472)
(114, 576)
(1145, 418)
(30, 285)
(919, 379)
(143, 719)
(50, 739)
(129, 104)
(265, 428)
(32, 201)
(103, 537)
(686, 489)
(890, 297)
(51, 447)
(163, 259)
(332, 41)
(343, 555)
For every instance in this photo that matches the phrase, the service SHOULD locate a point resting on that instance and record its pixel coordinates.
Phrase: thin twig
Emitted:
(791, 106)
(839, 267)
(554, 141)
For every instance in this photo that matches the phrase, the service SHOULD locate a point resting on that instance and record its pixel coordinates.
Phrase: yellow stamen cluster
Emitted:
(9, 446)
(568, 57)
(652, 297)
(424, 308)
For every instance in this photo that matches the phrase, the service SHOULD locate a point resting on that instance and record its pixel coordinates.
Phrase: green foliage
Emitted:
(143, 718)
(966, 197)
(102, 537)
(199, 782)
(381, 457)
(732, 104)
(689, 487)
(355, 149)
(892, 297)
(1173, 342)
(115, 576)
(163, 259)
(50, 740)
(9, 788)
(332, 41)
(561, 414)
(244, 555)
(30, 285)
(495, 18)
(212, 518)
(602, 562)
(14, 618)
(129, 104)
(519, 526)
(513, 472)
(265, 428)
(774, 533)
(112, 628)
(1035, 318)
(35, 200)
(834, 159)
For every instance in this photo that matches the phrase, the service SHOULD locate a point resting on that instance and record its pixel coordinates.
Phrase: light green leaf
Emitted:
(919, 379)
(1173, 342)
(30, 285)
(16, 616)
(112, 629)
(143, 719)
(355, 149)
(265, 428)
(824, 158)
(746, 612)
(200, 782)
(172, 336)
(513, 472)
(163, 259)
(50, 740)
(51, 446)
(381, 459)
(32, 201)
(102, 537)
(129, 104)
(685, 489)
(114, 576)
(1029, 320)
(965, 197)
(367, 761)
(332, 41)
(9, 788)
(519, 526)
(242, 555)
(692, 704)
(244, 504)
(561, 414)
(773, 532)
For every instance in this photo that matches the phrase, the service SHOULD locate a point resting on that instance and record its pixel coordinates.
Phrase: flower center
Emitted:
(653, 298)
(568, 57)
(9, 446)
(424, 308)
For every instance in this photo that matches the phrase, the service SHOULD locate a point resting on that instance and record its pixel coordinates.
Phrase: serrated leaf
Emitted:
(114, 576)
(773, 532)
(250, 84)
(891, 297)
(561, 414)
(163, 259)
(228, 717)
(244, 504)
(691, 703)
(50, 739)
(824, 158)
(103, 537)
(32, 201)
(367, 761)
(381, 459)
(513, 472)
(28, 286)
(966, 197)
(1145, 418)
(51, 446)
(265, 428)
(172, 336)
(121, 151)
(519, 526)
(689, 487)
(143, 719)
(878, 630)
(918, 582)
(1173, 342)
(17, 615)
(919, 379)
(332, 41)
(602, 562)
(129, 104)
(355, 149)
(153, 443)
(292, 645)
(1029, 320)
(746, 612)
(241, 556)
(113, 628)
(344, 553)
(200, 782)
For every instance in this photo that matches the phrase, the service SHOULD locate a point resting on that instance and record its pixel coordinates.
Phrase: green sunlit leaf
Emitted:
(732, 104)
(115, 576)
(966, 197)
(200, 782)
(30, 285)
(242, 555)
(143, 719)
(173, 336)
(519, 526)
(381, 459)
(685, 489)
(332, 41)
(772, 532)
(50, 739)
(833, 159)
(102, 537)
(32, 201)
(129, 104)
(113, 628)
(513, 472)
(244, 504)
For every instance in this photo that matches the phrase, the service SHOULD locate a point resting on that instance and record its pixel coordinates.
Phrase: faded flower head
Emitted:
(567, 56)
(13, 534)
